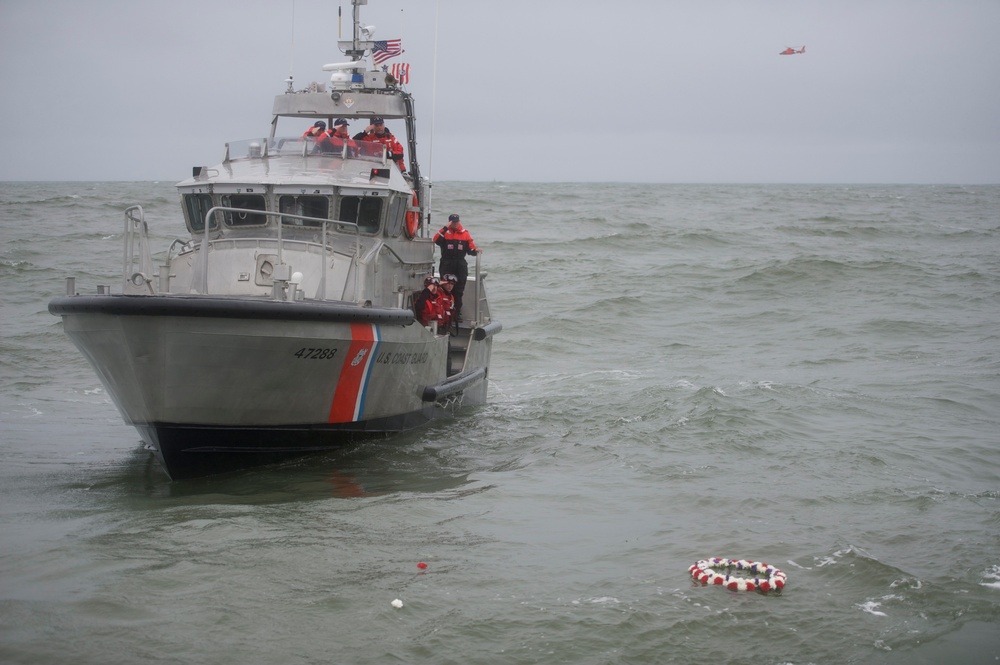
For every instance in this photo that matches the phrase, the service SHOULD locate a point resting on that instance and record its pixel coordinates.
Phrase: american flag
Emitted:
(401, 72)
(386, 48)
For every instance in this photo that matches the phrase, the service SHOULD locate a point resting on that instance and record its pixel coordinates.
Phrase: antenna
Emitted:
(401, 17)
(434, 78)
(357, 28)
(291, 55)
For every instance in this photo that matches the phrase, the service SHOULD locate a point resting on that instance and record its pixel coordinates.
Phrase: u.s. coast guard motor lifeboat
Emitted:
(283, 323)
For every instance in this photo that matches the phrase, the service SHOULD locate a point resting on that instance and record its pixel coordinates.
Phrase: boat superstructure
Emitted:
(283, 322)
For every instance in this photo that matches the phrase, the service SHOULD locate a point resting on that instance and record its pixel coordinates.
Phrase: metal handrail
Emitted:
(377, 248)
(399, 258)
(479, 281)
(132, 224)
(272, 213)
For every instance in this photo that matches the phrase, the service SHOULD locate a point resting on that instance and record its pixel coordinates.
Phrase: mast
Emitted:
(357, 50)
(357, 26)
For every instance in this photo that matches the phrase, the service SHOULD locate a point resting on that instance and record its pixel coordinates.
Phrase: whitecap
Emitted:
(992, 574)
(908, 582)
(603, 600)
(872, 608)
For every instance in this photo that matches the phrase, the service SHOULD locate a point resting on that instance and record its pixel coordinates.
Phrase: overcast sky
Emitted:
(888, 91)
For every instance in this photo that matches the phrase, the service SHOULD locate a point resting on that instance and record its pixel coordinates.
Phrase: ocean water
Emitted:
(803, 375)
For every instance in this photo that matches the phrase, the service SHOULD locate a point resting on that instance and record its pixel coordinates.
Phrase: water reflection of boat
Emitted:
(283, 323)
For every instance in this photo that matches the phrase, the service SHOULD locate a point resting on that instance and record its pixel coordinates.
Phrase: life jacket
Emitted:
(393, 147)
(334, 142)
(455, 244)
(446, 303)
(426, 308)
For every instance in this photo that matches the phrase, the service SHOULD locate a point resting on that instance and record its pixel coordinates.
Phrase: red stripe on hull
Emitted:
(352, 375)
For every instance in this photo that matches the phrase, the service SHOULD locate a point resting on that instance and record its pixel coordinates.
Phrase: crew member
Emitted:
(446, 300)
(377, 133)
(455, 242)
(335, 139)
(317, 131)
(426, 307)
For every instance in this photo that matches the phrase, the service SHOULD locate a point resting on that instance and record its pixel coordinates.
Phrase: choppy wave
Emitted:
(807, 375)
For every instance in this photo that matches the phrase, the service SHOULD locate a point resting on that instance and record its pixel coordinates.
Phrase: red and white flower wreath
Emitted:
(738, 574)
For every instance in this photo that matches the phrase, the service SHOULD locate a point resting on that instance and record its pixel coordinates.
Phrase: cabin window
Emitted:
(197, 206)
(364, 211)
(249, 203)
(307, 206)
(397, 209)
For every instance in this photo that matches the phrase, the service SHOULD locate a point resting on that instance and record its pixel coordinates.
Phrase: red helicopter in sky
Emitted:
(791, 51)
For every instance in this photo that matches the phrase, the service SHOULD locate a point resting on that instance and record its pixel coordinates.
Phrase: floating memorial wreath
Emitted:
(738, 574)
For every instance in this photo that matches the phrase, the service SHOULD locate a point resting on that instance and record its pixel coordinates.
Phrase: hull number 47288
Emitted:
(315, 354)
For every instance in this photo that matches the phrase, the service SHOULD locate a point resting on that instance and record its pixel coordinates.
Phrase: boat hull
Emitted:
(188, 451)
(214, 384)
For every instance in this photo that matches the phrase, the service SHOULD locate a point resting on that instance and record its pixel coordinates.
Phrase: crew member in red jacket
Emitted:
(317, 131)
(455, 242)
(426, 306)
(335, 139)
(377, 133)
(446, 300)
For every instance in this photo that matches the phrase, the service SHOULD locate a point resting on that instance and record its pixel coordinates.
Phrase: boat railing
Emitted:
(136, 254)
(279, 277)
(379, 247)
(480, 293)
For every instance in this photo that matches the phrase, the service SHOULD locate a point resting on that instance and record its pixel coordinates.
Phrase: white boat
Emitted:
(283, 323)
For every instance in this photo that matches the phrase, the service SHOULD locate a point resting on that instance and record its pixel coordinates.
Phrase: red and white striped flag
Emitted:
(401, 72)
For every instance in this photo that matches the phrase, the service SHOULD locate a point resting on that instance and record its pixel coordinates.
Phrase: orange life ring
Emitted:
(413, 219)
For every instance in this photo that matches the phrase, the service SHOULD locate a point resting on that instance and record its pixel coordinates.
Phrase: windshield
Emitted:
(281, 146)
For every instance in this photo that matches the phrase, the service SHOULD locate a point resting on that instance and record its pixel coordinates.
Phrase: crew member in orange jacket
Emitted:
(455, 242)
(334, 139)
(377, 133)
(317, 131)
(446, 300)
(427, 305)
